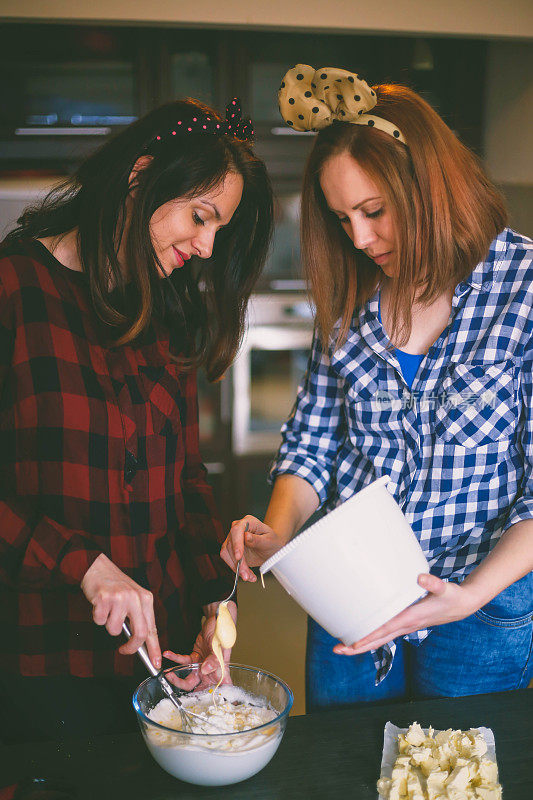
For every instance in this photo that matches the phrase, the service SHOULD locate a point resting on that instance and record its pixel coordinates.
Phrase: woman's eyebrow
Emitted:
(213, 206)
(357, 205)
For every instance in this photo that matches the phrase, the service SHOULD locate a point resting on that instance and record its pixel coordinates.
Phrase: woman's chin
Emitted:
(165, 271)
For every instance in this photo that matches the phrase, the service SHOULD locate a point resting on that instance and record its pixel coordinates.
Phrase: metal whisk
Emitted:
(165, 685)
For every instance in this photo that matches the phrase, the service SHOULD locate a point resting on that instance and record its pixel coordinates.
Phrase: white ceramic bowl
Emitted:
(355, 568)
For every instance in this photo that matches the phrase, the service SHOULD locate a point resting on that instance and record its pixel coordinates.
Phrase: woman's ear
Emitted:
(141, 163)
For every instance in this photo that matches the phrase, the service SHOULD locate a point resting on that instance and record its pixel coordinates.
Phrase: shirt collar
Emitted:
(366, 318)
(367, 330)
(482, 276)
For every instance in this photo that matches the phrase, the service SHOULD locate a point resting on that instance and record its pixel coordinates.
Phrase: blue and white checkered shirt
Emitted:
(457, 445)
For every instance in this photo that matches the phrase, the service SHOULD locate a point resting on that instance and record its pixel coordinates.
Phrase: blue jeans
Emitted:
(490, 651)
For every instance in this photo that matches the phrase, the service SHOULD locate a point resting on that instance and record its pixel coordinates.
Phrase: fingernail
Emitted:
(157, 663)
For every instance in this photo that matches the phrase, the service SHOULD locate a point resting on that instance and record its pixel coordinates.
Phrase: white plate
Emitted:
(390, 747)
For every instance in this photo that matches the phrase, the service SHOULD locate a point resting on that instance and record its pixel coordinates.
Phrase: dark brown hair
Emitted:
(445, 212)
(204, 303)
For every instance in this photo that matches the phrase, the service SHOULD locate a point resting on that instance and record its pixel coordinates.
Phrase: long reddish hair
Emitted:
(445, 210)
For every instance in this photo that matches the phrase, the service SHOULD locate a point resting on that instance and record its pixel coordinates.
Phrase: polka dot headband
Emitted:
(310, 100)
(234, 125)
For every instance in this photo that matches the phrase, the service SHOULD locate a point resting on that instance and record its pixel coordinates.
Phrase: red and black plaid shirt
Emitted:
(98, 454)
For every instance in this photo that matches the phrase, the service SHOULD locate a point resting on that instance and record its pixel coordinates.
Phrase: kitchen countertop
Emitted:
(332, 754)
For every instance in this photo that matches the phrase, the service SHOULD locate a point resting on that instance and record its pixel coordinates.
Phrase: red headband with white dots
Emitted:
(234, 124)
(310, 100)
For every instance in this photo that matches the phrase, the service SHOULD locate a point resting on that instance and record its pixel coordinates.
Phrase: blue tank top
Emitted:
(409, 362)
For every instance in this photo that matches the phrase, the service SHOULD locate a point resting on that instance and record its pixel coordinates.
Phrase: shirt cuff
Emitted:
(61, 551)
(311, 473)
(520, 511)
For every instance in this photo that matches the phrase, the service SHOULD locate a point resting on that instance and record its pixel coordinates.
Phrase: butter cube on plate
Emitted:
(488, 771)
(415, 735)
(441, 737)
(399, 778)
(429, 765)
(492, 791)
(435, 783)
(414, 787)
(459, 779)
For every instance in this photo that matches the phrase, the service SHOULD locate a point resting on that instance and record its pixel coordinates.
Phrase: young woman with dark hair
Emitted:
(421, 370)
(105, 511)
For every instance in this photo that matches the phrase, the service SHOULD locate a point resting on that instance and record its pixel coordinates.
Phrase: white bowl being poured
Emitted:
(356, 567)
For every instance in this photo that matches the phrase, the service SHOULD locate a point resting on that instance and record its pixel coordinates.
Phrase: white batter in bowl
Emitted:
(253, 708)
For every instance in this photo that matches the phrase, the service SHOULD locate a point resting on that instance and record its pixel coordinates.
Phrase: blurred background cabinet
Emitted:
(65, 88)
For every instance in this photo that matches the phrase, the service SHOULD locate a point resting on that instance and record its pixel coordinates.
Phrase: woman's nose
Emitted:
(363, 234)
(203, 243)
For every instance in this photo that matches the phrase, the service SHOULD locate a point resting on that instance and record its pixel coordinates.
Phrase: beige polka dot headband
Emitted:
(310, 100)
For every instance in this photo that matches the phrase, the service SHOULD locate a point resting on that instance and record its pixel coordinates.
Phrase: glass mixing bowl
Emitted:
(216, 759)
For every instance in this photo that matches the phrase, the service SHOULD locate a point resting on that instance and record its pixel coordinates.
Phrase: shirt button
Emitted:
(130, 467)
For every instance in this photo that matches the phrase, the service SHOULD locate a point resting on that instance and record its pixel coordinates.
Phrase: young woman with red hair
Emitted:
(421, 370)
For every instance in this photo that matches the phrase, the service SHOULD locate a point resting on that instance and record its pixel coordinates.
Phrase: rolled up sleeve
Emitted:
(39, 552)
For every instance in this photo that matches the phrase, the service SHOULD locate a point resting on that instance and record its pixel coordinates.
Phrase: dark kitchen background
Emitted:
(65, 87)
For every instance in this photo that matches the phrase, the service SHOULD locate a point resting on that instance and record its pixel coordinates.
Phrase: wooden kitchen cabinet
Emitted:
(71, 86)
(69, 78)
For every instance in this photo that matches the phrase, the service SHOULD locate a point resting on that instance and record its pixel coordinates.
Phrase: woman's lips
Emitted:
(180, 257)
(382, 258)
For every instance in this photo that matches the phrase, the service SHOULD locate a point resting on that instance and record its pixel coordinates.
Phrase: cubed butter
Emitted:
(459, 779)
(489, 792)
(399, 778)
(435, 784)
(428, 766)
(415, 735)
(443, 765)
(488, 771)
(414, 786)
